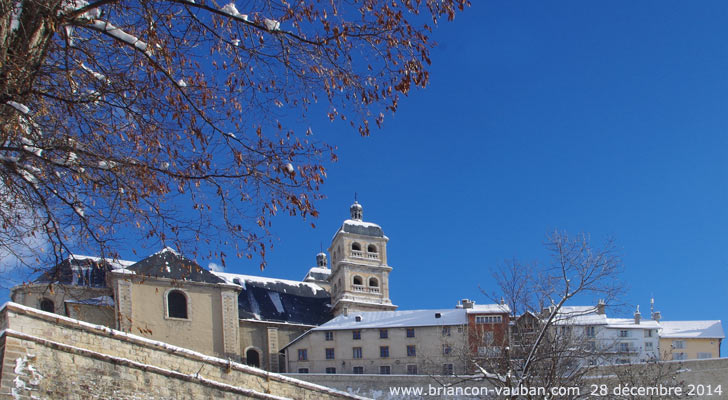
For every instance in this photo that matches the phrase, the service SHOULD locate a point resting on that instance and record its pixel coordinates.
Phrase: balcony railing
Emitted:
(362, 254)
(364, 289)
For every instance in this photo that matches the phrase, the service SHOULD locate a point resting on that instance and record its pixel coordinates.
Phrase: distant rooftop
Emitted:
(396, 319)
(692, 329)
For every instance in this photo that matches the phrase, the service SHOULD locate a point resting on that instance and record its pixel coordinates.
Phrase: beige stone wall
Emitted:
(143, 311)
(693, 346)
(428, 342)
(49, 357)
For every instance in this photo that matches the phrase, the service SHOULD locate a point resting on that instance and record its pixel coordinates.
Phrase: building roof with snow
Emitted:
(489, 309)
(317, 274)
(692, 329)
(280, 300)
(630, 323)
(169, 264)
(82, 271)
(396, 319)
(580, 315)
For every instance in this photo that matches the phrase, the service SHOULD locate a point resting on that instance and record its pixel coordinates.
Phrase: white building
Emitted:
(384, 342)
(610, 340)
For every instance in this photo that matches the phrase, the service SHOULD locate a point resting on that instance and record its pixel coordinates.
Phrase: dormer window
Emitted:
(373, 282)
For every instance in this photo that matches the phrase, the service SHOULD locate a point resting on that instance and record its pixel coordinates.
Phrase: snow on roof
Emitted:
(240, 280)
(489, 308)
(579, 315)
(361, 228)
(692, 329)
(629, 323)
(317, 274)
(396, 319)
(114, 263)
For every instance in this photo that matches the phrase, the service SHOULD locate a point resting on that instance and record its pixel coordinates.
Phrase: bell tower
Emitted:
(359, 271)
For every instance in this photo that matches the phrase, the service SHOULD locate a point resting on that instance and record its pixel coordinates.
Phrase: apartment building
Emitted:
(414, 342)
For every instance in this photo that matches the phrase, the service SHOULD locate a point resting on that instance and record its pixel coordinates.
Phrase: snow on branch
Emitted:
(118, 33)
(18, 106)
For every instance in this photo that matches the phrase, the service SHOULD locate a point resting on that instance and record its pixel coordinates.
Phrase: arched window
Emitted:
(358, 280)
(371, 248)
(47, 305)
(176, 304)
(252, 358)
(356, 246)
(373, 282)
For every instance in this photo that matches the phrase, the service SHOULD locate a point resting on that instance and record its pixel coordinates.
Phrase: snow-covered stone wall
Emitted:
(46, 355)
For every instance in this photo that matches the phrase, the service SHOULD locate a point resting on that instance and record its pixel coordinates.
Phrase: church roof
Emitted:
(167, 263)
(280, 300)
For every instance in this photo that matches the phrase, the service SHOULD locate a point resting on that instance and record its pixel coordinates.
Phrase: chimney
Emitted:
(467, 303)
(637, 316)
(502, 301)
(600, 307)
(656, 316)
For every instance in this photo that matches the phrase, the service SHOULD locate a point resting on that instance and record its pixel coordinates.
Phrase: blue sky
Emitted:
(604, 118)
(601, 117)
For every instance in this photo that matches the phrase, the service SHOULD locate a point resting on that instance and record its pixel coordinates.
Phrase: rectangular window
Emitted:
(482, 350)
(410, 332)
(678, 344)
(590, 331)
(385, 370)
(679, 356)
(648, 346)
(705, 355)
(445, 331)
(329, 335)
(411, 351)
(591, 345)
(302, 355)
(624, 333)
(330, 370)
(358, 370)
(330, 354)
(446, 349)
(384, 351)
(357, 352)
(624, 347)
(303, 370)
(648, 332)
(383, 333)
(411, 369)
(356, 335)
(447, 369)
(488, 319)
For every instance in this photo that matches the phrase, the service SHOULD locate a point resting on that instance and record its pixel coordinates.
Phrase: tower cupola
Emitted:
(356, 210)
(321, 260)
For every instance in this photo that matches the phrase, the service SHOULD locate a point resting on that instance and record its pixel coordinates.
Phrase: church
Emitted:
(170, 298)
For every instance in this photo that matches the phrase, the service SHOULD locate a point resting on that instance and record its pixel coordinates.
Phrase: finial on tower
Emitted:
(356, 210)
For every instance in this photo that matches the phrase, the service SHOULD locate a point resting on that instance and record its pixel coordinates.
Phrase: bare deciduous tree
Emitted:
(542, 350)
(169, 116)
